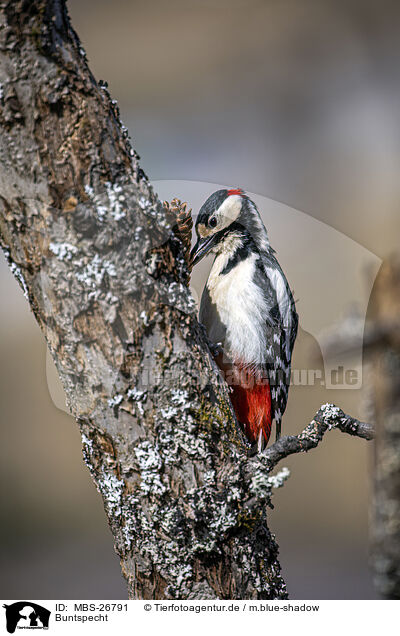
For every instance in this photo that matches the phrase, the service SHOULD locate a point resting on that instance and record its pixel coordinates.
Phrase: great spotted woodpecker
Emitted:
(248, 308)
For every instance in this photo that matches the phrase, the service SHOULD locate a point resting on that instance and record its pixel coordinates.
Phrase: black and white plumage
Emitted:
(248, 307)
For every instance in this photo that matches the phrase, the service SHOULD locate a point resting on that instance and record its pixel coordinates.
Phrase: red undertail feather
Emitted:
(252, 404)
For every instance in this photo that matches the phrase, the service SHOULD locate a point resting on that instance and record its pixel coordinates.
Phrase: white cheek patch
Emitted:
(229, 211)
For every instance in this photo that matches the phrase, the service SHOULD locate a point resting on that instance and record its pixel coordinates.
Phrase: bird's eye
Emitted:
(212, 222)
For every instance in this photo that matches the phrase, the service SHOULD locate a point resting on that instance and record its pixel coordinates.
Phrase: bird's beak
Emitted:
(202, 248)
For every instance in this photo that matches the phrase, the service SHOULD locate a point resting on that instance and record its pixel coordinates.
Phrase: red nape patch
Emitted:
(252, 404)
(238, 191)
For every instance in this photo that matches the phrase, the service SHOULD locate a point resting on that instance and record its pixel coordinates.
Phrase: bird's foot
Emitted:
(215, 347)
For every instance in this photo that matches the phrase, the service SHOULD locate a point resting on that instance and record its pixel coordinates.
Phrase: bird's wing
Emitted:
(281, 330)
(209, 317)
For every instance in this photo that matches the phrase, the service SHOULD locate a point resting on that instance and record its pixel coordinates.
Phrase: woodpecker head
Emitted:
(227, 214)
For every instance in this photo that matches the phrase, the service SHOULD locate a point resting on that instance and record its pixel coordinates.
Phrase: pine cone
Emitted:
(181, 218)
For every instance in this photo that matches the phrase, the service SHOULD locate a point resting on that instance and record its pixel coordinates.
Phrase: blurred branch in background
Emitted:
(381, 343)
(383, 354)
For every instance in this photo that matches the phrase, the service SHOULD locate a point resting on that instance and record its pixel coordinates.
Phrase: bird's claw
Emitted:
(215, 348)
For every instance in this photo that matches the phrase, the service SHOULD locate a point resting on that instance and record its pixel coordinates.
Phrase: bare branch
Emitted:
(328, 417)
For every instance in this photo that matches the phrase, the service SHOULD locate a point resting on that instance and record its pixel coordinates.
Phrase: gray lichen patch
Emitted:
(63, 250)
(115, 401)
(330, 413)
(111, 489)
(17, 273)
(150, 465)
(91, 274)
(262, 483)
(107, 482)
(110, 201)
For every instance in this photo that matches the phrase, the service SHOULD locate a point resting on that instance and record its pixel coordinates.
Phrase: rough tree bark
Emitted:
(104, 272)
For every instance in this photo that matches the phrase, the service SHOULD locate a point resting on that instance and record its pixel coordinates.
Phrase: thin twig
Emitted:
(329, 416)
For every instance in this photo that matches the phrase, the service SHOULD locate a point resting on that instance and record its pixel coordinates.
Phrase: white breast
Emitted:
(241, 308)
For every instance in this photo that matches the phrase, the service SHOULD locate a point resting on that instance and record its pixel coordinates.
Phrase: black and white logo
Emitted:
(26, 615)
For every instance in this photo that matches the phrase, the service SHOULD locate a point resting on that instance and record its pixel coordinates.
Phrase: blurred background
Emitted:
(296, 101)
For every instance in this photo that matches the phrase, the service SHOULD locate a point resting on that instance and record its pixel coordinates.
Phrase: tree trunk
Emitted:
(96, 255)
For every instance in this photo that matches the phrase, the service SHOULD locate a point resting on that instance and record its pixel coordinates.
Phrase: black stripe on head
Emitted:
(213, 202)
(247, 247)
